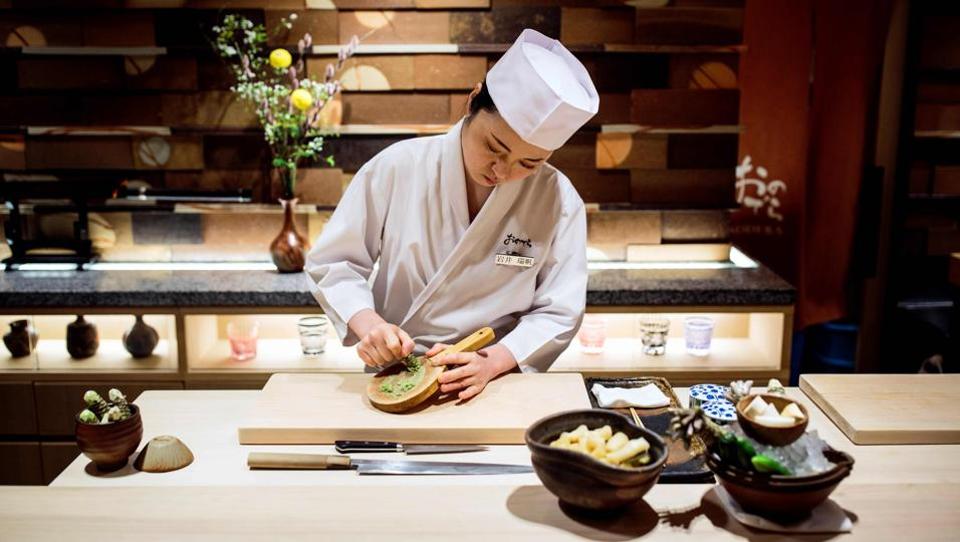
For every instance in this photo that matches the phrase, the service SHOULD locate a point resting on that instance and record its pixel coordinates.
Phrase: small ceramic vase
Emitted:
(141, 339)
(21, 339)
(82, 338)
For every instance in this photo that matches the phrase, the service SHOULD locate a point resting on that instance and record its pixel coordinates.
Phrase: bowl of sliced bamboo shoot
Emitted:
(595, 459)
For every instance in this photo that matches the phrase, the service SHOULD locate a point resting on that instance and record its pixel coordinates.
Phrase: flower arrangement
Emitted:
(288, 102)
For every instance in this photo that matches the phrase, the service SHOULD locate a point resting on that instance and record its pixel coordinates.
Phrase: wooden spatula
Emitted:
(429, 384)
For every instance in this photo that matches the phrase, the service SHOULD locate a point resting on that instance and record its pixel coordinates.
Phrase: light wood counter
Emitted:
(892, 488)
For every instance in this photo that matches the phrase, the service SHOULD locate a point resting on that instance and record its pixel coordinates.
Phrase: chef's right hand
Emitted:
(383, 344)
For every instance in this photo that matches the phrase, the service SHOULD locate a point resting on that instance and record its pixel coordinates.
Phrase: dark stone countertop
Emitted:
(168, 289)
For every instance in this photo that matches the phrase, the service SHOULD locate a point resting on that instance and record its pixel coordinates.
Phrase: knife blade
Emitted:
(370, 446)
(268, 460)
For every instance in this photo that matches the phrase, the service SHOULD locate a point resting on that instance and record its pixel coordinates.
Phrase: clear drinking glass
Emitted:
(698, 332)
(593, 333)
(242, 335)
(313, 334)
(653, 335)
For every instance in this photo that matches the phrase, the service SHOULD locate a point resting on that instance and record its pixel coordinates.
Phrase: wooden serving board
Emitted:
(322, 408)
(889, 409)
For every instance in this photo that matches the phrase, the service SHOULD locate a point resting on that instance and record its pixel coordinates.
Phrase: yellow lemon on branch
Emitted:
(301, 99)
(280, 58)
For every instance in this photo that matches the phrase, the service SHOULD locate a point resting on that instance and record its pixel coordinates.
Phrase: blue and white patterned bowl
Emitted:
(721, 411)
(700, 394)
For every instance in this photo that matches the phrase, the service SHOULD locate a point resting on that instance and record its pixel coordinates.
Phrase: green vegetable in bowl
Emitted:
(87, 416)
(733, 449)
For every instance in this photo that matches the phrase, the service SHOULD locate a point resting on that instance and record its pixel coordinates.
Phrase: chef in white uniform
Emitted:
(436, 237)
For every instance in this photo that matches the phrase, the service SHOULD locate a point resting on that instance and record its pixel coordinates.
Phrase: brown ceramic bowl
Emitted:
(582, 481)
(109, 445)
(775, 436)
(787, 498)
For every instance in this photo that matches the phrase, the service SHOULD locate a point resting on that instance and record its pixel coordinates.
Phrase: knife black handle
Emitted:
(366, 446)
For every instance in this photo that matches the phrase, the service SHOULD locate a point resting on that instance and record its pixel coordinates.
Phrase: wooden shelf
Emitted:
(744, 345)
(278, 347)
(278, 355)
(111, 356)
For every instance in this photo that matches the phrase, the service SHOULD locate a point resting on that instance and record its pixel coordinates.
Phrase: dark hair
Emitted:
(482, 102)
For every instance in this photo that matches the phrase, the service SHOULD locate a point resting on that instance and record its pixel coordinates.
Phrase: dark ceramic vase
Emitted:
(82, 338)
(141, 339)
(21, 339)
(289, 248)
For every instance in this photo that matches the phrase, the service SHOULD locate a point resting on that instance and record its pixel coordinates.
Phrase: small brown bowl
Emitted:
(786, 498)
(774, 436)
(110, 445)
(582, 481)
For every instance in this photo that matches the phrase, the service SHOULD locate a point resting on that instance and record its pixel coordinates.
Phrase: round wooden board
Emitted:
(427, 387)
(395, 404)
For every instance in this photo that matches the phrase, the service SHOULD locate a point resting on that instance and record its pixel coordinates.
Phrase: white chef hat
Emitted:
(542, 91)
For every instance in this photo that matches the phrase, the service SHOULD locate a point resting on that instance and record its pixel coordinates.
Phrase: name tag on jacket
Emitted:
(516, 261)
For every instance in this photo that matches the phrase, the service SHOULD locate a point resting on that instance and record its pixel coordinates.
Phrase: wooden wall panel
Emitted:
(716, 26)
(217, 145)
(680, 107)
(592, 25)
(618, 150)
(502, 25)
(16, 400)
(393, 27)
(320, 24)
(676, 188)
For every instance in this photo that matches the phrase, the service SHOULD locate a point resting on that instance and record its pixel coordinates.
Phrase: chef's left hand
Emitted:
(469, 372)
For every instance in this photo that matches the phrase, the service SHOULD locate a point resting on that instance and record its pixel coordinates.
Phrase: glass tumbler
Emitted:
(242, 335)
(593, 333)
(698, 332)
(313, 334)
(653, 335)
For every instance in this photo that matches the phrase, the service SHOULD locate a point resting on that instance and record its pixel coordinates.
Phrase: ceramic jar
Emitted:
(141, 339)
(21, 339)
(82, 338)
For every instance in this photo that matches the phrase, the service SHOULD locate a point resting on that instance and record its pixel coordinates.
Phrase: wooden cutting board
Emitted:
(890, 409)
(322, 408)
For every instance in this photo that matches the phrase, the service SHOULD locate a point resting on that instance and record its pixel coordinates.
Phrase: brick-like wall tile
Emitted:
(681, 107)
(316, 186)
(624, 227)
(617, 150)
(946, 180)
(160, 72)
(320, 24)
(591, 25)
(689, 226)
(177, 152)
(12, 152)
(394, 27)
(703, 71)
(35, 73)
(600, 186)
(128, 28)
(369, 72)
(248, 151)
(376, 108)
(448, 72)
(578, 152)
(351, 153)
(503, 24)
(694, 26)
(702, 151)
(672, 188)
(79, 152)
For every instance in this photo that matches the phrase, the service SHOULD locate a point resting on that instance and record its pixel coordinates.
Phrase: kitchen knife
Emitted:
(370, 446)
(268, 460)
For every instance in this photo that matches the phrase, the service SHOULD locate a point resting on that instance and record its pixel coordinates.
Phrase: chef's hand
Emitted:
(469, 372)
(381, 342)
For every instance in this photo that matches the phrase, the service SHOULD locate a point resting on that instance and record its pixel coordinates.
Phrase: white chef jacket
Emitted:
(437, 278)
